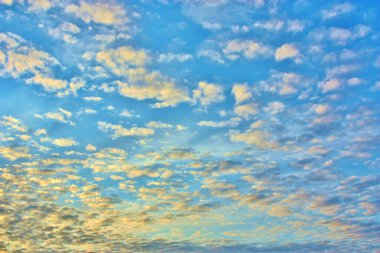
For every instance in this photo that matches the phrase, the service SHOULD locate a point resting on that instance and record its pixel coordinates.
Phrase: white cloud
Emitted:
(208, 93)
(246, 110)
(61, 115)
(272, 25)
(247, 48)
(156, 87)
(104, 13)
(257, 138)
(90, 147)
(286, 51)
(20, 59)
(241, 92)
(321, 109)
(93, 99)
(158, 124)
(330, 85)
(13, 154)
(119, 131)
(355, 81)
(64, 142)
(274, 107)
(174, 57)
(39, 5)
(337, 10)
(211, 26)
(233, 122)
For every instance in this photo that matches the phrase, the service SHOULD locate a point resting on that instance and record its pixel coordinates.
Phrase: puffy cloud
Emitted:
(64, 142)
(255, 138)
(141, 85)
(121, 59)
(61, 115)
(119, 131)
(23, 60)
(39, 5)
(246, 110)
(229, 123)
(13, 154)
(49, 83)
(241, 92)
(90, 147)
(39, 132)
(13, 123)
(156, 87)
(317, 150)
(330, 85)
(355, 81)
(104, 13)
(321, 109)
(208, 93)
(286, 51)
(174, 57)
(247, 48)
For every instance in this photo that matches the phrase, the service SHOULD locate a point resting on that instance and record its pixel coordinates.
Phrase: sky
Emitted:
(189, 126)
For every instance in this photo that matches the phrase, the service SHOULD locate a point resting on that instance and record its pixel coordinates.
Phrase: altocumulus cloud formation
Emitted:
(189, 126)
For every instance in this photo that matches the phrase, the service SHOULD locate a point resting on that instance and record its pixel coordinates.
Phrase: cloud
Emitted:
(39, 5)
(121, 59)
(119, 131)
(49, 83)
(61, 115)
(321, 109)
(337, 10)
(279, 211)
(63, 142)
(241, 92)
(286, 51)
(103, 13)
(90, 147)
(141, 84)
(355, 81)
(247, 48)
(93, 99)
(174, 57)
(39, 132)
(255, 138)
(23, 60)
(208, 93)
(330, 85)
(13, 154)
(233, 122)
(156, 87)
(246, 110)
(274, 107)
(272, 25)
(180, 154)
(13, 123)
(158, 124)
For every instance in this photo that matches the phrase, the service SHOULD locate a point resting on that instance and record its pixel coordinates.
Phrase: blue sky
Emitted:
(189, 126)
